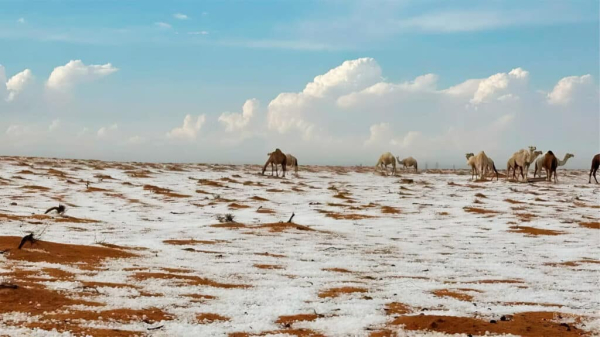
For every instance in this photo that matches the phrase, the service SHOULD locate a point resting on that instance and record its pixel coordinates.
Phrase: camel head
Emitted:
(532, 148)
(469, 155)
(538, 153)
(569, 155)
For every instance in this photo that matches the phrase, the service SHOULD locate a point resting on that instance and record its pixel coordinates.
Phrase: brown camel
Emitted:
(550, 164)
(276, 158)
(595, 165)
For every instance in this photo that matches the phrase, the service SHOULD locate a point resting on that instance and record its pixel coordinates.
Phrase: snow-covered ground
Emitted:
(433, 241)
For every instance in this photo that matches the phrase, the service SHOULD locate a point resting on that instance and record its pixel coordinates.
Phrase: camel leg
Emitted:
(522, 176)
(593, 172)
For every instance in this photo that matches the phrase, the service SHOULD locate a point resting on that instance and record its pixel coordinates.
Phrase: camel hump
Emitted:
(550, 152)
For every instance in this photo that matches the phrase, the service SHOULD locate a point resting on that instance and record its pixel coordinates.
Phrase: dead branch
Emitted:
(290, 220)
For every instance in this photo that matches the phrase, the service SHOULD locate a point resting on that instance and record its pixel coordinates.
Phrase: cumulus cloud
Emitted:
(494, 84)
(16, 130)
(190, 128)
(21, 20)
(285, 112)
(424, 83)
(54, 125)
(202, 32)
(136, 140)
(107, 130)
(63, 78)
(382, 136)
(17, 83)
(180, 16)
(163, 25)
(563, 90)
(235, 121)
(379, 134)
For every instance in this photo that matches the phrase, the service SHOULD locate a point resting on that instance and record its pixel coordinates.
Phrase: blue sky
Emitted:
(170, 59)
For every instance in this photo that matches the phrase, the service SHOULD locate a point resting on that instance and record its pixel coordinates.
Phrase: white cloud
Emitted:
(17, 84)
(423, 83)
(163, 25)
(54, 125)
(564, 89)
(379, 134)
(235, 121)
(16, 130)
(382, 137)
(63, 78)
(135, 140)
(408, 140)
(488, 87)
(285, 112)
(202, 32)
(107, 130)
(180, 16)
(82, 132)
(190, 128)
(21, 20)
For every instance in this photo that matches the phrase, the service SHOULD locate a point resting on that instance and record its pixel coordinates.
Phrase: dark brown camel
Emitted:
(595, 165)
(550, 164)
(276, 158)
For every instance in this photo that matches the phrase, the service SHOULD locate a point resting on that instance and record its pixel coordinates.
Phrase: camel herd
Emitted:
(480, 164)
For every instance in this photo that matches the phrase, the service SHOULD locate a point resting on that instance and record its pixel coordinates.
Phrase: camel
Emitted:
(539, 162)
(276, 158)
(408, 162)
(478, 163)
(595, 165)
(522, 159)
(386, 159)
(491, 167)
(550, 164)
(292, 161)
(471, 162)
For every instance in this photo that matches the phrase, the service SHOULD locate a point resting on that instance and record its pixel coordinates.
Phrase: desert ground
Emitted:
(207, 250)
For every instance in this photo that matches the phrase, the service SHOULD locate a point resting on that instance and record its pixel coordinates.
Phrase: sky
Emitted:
(332, 82)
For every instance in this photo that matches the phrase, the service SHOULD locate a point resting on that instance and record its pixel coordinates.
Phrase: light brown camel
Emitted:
(550, 164)
(292, 161)
(471, 163)
(522, 159)
(276, 158)
(540, 161)
(595, 165)
(385, 160)
(478, 163)
(408, 162)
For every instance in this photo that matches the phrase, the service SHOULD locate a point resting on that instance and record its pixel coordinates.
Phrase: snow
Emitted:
(384, 253)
